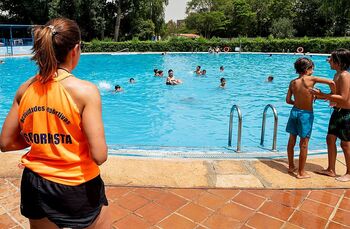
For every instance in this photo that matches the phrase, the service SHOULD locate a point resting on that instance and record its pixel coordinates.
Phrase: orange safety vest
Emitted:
(51, 123)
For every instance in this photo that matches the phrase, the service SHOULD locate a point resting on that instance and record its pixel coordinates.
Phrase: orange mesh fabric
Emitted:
(51, 124)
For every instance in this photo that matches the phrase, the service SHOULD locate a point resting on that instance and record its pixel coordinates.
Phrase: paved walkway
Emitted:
(206, 208)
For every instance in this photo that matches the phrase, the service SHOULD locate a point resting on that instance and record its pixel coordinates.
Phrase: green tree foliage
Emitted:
(123, 19)
(309, 20)
(242, 18)
(144, 30)
(206, 22)
(25, 11)
(282, 28)
(337, 14)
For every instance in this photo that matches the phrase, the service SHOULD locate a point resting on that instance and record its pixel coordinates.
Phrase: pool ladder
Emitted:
(239, 139)
(239, 135)
(274, 142)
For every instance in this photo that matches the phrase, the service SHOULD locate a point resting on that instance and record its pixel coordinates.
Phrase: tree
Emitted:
(282, 28)
(121, 9)
(242, 18)
(308, 20)
(91, 19)
(144, 30)
(25, 11)
(263, 12)
(337, 13)
(206, 23)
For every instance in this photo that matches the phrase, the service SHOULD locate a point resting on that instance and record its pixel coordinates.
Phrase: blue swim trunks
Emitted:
(300, 122)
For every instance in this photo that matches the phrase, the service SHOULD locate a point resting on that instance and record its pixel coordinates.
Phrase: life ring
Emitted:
(300, 49)
(226, 49)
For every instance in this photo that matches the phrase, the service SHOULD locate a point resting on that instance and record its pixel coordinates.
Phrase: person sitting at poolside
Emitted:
(222, 82)
(132, 80)
(198, 70)
(221, 68)
(217, 50)
(269, 79)
(170, 80)
(118, 88)
(210, 50)
(204, 72)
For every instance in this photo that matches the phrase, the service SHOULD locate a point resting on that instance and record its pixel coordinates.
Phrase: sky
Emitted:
(175, 10)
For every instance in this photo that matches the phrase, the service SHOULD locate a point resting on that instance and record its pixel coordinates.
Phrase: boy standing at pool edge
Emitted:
(301, 116)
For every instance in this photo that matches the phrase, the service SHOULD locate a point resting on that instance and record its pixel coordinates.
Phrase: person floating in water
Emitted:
(158, 72)
(2, 62)
(301, 116)
(198, 70)
(170, 80)
(204, 72)
(132, 80)
(118, 88)
(222, 68)
(222, 82)
(155, 72)
(269, 79)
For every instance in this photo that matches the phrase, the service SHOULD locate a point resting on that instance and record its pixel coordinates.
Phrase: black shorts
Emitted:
(64, 205)
(339, 124)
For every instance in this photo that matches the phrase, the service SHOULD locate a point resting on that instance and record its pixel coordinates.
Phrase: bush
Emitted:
(180, 44)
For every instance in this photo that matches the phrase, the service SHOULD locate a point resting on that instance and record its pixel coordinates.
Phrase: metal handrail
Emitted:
(274, 147)
(239, 128)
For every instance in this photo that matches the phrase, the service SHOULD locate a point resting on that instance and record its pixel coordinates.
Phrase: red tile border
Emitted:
(176, 222)
(158, 208)
(324, 197)
(249, 200)
(342, 217)
(262, 221)
(317, 209)
(307, 220)
(276, 210)
(153, 213)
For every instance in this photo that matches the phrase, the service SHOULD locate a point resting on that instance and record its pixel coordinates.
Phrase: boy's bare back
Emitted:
(300, 87)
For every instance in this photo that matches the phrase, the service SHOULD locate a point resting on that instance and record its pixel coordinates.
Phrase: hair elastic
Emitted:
(53, 30)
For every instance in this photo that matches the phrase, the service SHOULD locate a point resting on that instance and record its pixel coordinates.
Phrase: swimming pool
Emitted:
(194, 114)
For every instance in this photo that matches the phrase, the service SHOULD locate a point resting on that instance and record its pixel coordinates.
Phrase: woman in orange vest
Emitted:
(59, 117)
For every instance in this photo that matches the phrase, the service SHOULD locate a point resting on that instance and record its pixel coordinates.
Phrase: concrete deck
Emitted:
(202, 173)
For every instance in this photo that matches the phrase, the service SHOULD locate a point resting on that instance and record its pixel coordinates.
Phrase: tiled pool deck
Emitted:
(259, 194)
(206, 208)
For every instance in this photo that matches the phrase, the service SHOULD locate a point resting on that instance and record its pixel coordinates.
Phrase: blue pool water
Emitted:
(194, 114)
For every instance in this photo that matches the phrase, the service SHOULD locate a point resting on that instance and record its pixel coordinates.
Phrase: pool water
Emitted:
(193, 114)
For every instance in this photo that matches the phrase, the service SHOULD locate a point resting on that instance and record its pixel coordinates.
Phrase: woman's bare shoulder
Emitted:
(82, 91)
(23, 88)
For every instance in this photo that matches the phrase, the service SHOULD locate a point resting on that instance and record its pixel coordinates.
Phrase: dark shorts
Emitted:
(66, 206)
(339, 124)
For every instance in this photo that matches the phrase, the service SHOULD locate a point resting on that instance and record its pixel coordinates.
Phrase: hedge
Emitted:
(313, 45)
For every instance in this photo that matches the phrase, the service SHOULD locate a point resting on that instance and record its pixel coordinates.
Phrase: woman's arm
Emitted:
(11, 138)
(93, 125)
